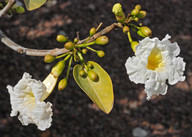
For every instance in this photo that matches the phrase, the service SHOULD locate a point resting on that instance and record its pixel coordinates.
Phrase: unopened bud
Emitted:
(119, 14)
(84, 51)
(138, 7)
(62, 84)
(100, 53)
(61, 38)
(126, 29)
(134, 12)
(92, 31)
(140, 33)
(142, 14)
(58, 68)
(89, 65)
(133, 45)
(136, 19)
(49, 58)
(69, 45)
(93, 76)
(146, 31)
(19, 10)
(82, 73)
(102, 40)
(76, 40)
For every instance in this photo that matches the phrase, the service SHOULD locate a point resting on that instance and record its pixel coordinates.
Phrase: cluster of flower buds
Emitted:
(14, 9)
(76, 50)
(131, 22)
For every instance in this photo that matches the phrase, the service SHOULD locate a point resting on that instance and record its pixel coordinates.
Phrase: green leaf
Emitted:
(100, 91)
(34, 4)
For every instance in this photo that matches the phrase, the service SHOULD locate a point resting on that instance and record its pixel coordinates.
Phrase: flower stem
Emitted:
(63, 55)
(86, 44)
(129, 37)
(68, 69)
(91, 49)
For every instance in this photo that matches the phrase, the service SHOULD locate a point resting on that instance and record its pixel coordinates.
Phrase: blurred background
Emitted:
(74, 114)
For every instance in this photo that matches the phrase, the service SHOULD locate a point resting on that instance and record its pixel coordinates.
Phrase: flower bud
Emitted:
(89, 65)
(119, 14)
(62, 84)
(49, 58)
(126, 29)
(58, 68)
(76, 40)
(102, 40)
(138, 7)
(142, 14)
(69, 45)
(84, 51)
(92, 31)
(82, 73)
(134, 12)
(140, 34)
(61, 38)
(100, 53)
(146, 31)
(93, 76)
(133, 45)
(19, 10)
(136, 19)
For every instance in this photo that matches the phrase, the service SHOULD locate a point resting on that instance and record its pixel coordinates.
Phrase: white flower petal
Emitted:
(26, 101)
(177, 71)
(136, 70)
(153, 87)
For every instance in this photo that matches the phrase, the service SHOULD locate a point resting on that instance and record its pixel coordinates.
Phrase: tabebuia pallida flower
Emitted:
(154, 63)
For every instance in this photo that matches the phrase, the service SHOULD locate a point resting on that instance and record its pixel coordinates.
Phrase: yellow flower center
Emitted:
(155, 60)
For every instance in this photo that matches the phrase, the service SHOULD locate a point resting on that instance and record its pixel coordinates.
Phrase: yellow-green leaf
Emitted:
(100, 91)
(34, 4)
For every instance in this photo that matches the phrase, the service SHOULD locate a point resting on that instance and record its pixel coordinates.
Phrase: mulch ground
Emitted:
(74, 113)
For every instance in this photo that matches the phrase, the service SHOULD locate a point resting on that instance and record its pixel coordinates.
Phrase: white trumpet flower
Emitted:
(154, 63)
(27, 99)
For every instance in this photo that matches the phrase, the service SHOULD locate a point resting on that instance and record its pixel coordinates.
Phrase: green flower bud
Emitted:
(125, 29)
(58, 68)
(82, 73)
(134, 12)
(93, 76)
(100, 53)
(62, 84)
(140, 33)
(61, 38)
(49, 58)
(136, 19)
(89, 65)
(1, 5)
(19, 10)
(76, 40)
(69, 45)
(84, 51)
(142, 14)
(119, 14)
(138, 7)
(102, 40)
(146, 31)
(133, 45)
(9, 12)
(92, 31)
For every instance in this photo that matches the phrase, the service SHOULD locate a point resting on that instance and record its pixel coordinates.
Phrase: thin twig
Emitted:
(102, 32)
(36, 52)
(7, 7)
(31, 52)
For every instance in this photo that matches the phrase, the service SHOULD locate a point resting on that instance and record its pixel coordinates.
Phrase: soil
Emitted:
(74, 113)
